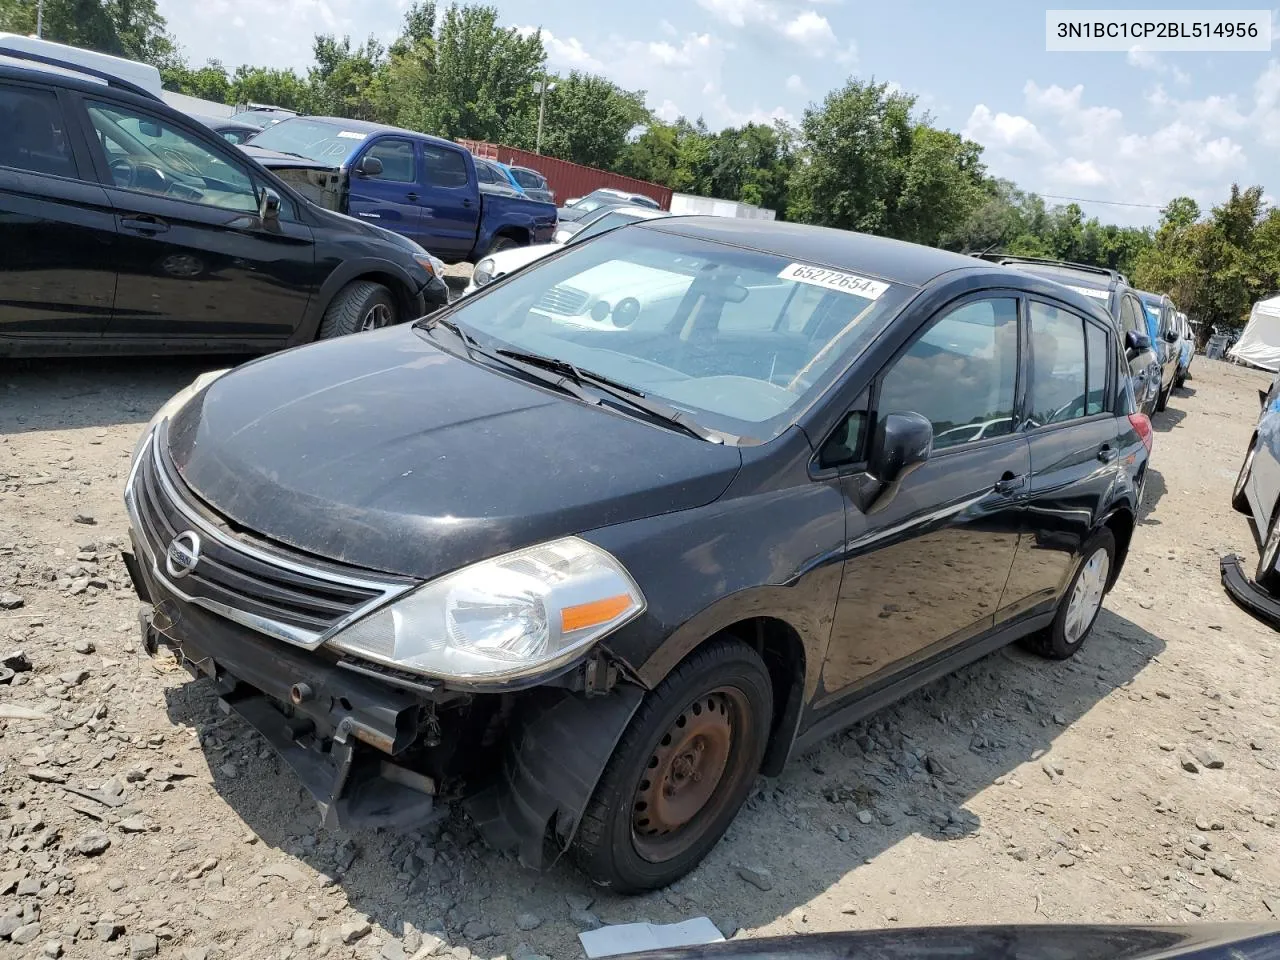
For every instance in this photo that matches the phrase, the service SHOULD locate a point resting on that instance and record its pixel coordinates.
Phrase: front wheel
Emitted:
(362, 305)
(1081, 602)
(1267, 576)
(499, 244)
(680, 772)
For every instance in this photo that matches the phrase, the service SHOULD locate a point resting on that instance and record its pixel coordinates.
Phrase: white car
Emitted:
(500, 264)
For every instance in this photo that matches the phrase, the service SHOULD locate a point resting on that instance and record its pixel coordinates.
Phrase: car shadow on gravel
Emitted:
(100, 392)
(1154, 488)
(906, 775)
(1167, 419)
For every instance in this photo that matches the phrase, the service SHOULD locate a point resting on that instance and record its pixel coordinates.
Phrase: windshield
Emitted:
(741, 340)
(314, 139)
(603, 225)
(1082, 282)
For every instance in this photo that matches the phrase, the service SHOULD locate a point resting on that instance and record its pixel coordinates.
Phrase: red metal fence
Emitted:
(569, 179)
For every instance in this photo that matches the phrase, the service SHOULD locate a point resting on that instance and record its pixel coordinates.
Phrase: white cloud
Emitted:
(1146, 60)
(1075, 173)
(810, 29)
(566, 54)
(1004, 131)
(667, 27)
(804, 27)
(795, 84)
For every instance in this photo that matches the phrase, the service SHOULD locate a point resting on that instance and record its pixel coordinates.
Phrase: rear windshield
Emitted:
(527, 178)
(1081, 281)
(603, 225)
(742, 340)
(313, 139)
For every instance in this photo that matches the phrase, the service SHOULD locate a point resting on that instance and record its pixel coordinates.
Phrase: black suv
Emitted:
(1110, 289)
(640, 520)
(128, 227)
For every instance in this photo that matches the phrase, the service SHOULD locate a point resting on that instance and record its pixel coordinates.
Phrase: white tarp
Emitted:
(1259, 344)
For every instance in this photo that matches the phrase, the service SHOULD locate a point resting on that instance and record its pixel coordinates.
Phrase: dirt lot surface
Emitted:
(1135, 783)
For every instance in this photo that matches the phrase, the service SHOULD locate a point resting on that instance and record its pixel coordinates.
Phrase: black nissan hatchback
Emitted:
(598, 544)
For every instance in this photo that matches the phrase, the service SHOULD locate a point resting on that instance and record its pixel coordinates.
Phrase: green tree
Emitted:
(1180, 212)
(124, 28)
(587, 119)
(342, 81)
(652, 155)
(941, 184)
(209, 82)
(281, 88)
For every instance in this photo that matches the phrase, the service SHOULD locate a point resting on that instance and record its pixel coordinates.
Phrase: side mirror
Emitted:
(149, 128)
(903, 441)
(369, 166)
(269, 206)
(1171, 336)
(1135, 342)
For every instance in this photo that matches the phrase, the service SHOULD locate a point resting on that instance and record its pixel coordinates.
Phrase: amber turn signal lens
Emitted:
(590, 614)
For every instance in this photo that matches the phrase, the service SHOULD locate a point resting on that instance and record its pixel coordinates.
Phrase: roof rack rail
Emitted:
(110, 79)
(1050, 262)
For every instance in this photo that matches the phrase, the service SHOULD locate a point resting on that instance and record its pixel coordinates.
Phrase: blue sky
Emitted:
(1136, 128)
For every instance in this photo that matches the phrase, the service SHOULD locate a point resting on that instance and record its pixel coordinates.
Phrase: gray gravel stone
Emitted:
(758, 877)
(26, 933)
(586, 919)
(1209, 758)
(528, 921)
(10, 601)
(92, 843)
(578, 901)
(353, 931)
(479, 930)
(143, 946)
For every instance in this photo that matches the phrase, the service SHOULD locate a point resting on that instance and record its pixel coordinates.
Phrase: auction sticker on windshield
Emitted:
(1089, 292)
(351, 135)
(834, 280)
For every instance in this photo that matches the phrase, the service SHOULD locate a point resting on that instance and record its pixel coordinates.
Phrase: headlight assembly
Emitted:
(509, 617)
(483, 273)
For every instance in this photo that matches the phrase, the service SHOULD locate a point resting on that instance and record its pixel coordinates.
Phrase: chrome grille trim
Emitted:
(567, 301)
(385, 591)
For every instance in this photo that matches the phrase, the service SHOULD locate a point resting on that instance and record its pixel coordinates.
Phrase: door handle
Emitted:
(144, 223)
(466, 203)
(1010, 484)
(1107, 453)
(411, 197)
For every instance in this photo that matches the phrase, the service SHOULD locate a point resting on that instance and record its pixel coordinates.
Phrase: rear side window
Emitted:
(33, 133)
(397, 160)
(960, 374)
(1131, 317)
(485, 172)
(1058, 385)
(1096, 379)
(527, 178)
(445, 167)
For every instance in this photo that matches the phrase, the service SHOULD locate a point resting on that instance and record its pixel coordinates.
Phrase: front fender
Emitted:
(339, 277)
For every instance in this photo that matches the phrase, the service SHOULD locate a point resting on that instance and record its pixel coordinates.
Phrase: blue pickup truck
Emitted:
(422, 187)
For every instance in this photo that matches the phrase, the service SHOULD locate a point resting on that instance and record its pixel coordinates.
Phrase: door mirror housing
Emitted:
(269, 206)
(369, 166)
(903, 441)
(1135, 342)
(1171, 336)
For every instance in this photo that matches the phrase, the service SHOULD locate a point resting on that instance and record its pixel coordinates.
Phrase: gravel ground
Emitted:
(1134, 783)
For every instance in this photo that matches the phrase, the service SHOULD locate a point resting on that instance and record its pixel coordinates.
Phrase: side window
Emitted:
(1096, 375)
(149, 155)
(1057, 367)
(235, 136)
(397, 160)
(845, 444)
(35, 133)
(960, 374)
(445, 167)
(1130, 316)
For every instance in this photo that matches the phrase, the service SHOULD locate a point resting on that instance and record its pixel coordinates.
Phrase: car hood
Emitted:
(273, 160)
(383, 451)
(504, 261)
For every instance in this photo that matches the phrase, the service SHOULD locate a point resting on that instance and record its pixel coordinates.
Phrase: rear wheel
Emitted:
(1267, 577)
(1162, 400)
(499, 244)
(1239, 497)
(1082, 601)
(361, 305)
(680, 772)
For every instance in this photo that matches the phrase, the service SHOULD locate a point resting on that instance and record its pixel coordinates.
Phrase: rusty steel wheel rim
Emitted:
(683, 783)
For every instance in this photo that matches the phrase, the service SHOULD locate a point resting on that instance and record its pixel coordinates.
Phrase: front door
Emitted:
(196, 262)
(58, 266)
(392, 197)
(925, 569)
(451, 215)
(1075, 450)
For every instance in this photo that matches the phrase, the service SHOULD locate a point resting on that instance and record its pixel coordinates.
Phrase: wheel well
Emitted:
(518, 234)
(404, 299)
(783, 653)
(1120, 524)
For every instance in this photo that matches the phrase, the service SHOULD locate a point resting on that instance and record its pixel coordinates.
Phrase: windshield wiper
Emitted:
(468, 341)
(619, 391)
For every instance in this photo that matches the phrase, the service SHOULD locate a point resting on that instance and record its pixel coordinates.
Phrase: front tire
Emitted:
(1267, 576)
(361, 305)
(499, 244)
(1078, 610)
(1162, 400)
(681, 771)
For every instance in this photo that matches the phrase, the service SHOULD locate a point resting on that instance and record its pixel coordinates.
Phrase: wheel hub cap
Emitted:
(685, 767)
(1086, 597)
(378, 316)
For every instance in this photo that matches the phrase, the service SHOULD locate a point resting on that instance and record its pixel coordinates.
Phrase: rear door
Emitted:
(451, 201)
(1070, 422)
(196, 262)
(57, 227)
(391, 198)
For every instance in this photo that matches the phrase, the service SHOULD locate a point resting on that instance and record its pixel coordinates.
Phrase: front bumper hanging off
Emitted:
(340, 731)
(1245, 592)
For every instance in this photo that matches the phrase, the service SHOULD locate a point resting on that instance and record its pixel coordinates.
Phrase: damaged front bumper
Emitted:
(1247, 593)
(338, 725)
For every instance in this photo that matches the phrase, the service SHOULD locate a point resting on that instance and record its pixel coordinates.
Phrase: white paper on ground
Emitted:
(634, 937)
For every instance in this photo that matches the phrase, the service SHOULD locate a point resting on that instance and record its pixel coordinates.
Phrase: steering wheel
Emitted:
(179, 161)
(122, 171)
